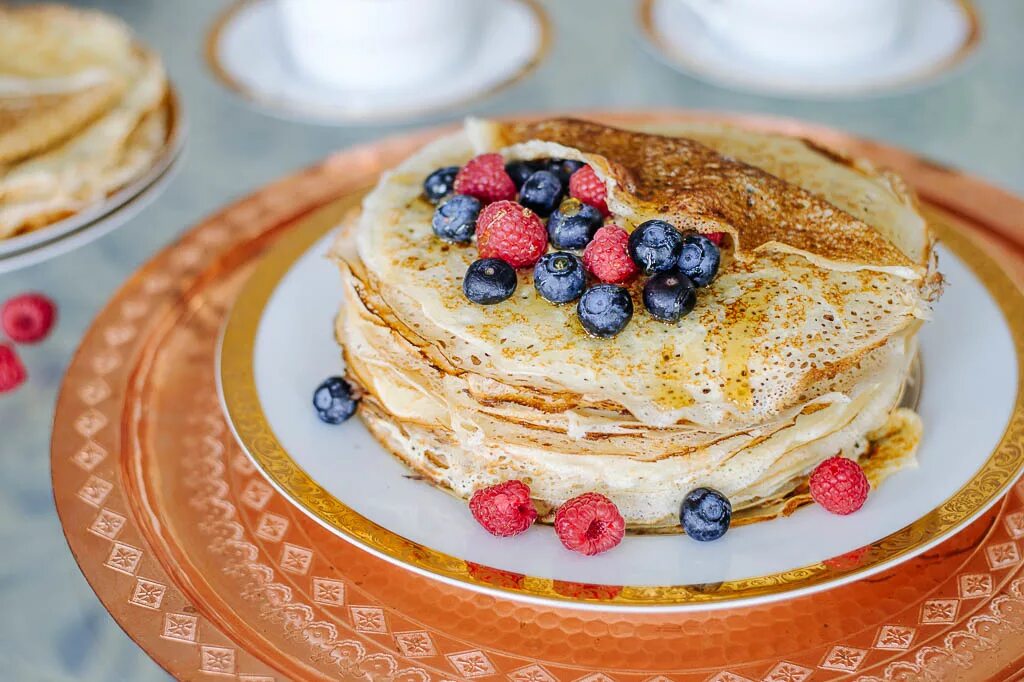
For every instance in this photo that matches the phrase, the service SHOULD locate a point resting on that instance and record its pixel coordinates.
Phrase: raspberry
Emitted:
(715, 237)
(589, 524)
(28, 318)
(588, 188)
(512, 233)
(839, 485)
(504, 509)
(12, 372)
(607, 256)
(485, 178)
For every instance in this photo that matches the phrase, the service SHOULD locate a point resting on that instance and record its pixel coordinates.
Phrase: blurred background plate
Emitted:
(94, 221)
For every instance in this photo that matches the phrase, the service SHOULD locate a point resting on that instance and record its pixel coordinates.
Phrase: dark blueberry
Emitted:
(654, 246)
(541, 193)
(605, 310)
(669, 296)
(705, 514)
(559, 277)
(520, 170)
(334, 401)
(699, 259)
(455, 219)
(564, 168)
(573, 225)
(440, 183)
(489, 280)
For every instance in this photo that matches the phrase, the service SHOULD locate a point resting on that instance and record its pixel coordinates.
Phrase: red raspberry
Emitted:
(504, 509)
(589, 524)
(839, 485)
(12, 372)
(512, 233)
(28, 318)
(607, 256)
(590, 189)
(716, 237)
(484, 177)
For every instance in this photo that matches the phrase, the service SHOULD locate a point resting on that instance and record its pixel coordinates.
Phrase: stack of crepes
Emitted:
(82, 112)
(798, 351)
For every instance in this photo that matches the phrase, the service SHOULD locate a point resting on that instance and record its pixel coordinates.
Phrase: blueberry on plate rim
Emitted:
(699, 259)
(541, 193)
(669, 296)
(455, 219)
(440, 183)
(334, 400)
(705, 514)
(489, 281)
(559, 277)
(654, 246)
(573, 224)
(605, 310)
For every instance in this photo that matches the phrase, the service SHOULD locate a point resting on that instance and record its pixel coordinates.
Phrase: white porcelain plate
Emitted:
(279, 345)
(939, 35)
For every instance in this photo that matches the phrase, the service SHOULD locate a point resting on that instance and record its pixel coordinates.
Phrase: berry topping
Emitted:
(559, 277)
(669, 296)
(12, 372)
(541, 192)
(28, 318)
(564, 168)
(699, 259)
(504, 509)
(334, 401)
(440, 183)
(607, 256)
(605, 310)
(716, 237)
(484, 177)
(705, 514)
(588, 188)
(839, 485)
(572, 226)
(488, 281)
(455, 219)
(520, 170)
(654, 246)
(589, 524)
(512, 233)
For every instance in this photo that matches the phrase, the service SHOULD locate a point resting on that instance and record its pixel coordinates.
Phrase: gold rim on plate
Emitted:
(245, 413)
(284, 106)
(672, 56)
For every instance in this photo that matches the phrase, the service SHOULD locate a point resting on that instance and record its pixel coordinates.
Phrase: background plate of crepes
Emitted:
(278, 345)
(88, 125)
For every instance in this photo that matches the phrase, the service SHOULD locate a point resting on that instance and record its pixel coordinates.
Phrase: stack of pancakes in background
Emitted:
(83, 112)
(799, 350)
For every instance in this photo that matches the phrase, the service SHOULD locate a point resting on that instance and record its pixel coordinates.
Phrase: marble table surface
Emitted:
(51, 625)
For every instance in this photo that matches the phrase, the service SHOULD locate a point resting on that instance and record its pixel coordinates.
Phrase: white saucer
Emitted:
(97, 220)
(246, 51)
(941, 35)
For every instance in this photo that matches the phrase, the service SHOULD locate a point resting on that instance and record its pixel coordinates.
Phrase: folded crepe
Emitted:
(797, 351)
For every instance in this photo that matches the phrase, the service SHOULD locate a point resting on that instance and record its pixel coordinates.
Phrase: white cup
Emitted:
(378, 44)
(805, 33)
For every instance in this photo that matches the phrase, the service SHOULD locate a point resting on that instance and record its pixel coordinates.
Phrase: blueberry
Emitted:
(705, 514)
(541, 193)
(334, 401)
(699, 259)
(559, 277)
(669, 296)
(573, 225)
(440, 183)
(489, 280)
(605, 310)
(654, 246)
(455, 219)
(564, 168)
(520, 170)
